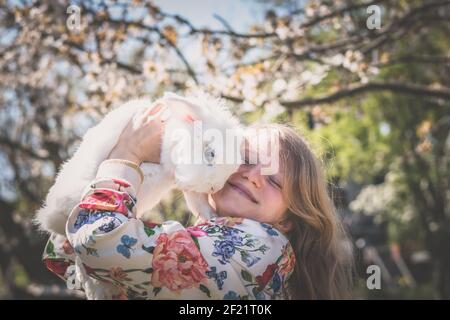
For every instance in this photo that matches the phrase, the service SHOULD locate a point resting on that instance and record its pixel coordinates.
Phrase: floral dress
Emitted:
(222, 258)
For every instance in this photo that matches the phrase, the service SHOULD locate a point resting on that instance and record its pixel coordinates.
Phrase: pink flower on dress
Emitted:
(121, 183)
(118, 274)
(120, 296)
(58, 267)
(151, 225)
(67, 247)
(105, 199)
(177, 262)
(196, 231)
(287, 262)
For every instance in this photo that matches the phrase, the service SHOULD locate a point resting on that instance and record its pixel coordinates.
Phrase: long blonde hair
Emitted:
(324, 259)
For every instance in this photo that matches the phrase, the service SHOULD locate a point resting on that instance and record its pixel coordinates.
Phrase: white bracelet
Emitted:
(120, 168)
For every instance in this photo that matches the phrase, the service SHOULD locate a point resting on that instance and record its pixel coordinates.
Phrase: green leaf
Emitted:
(148, 270)
(246, 275)
(50, 249)
(255, 291)
(244, 255)
(149, 231)
(91, 251)
(205, 290)
(131, 270)
(156, 290)
(148, 249)
(196, 242)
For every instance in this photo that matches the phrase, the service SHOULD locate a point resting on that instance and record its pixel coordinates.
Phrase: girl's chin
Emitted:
(227, 213)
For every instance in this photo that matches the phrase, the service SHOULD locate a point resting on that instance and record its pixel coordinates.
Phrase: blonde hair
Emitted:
(324, 259)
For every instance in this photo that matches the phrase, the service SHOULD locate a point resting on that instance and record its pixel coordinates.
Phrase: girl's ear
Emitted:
(285, 225)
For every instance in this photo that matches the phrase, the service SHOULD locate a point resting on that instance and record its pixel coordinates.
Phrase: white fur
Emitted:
(196, 180)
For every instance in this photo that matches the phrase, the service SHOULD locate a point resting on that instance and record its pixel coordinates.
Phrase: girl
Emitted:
(276, 236)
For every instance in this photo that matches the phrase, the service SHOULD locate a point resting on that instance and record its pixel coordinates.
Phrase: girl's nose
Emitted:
(252, 173)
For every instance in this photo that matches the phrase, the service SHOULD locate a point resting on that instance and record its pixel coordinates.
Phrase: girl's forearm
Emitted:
(118, 153)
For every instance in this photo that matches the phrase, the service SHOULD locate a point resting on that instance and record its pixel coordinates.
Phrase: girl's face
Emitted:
(249, 194)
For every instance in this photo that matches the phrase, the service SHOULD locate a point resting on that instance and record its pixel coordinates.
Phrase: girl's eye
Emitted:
(246, 160)
(274, 182)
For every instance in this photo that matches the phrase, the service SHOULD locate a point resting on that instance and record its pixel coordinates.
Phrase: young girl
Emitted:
(276, 236)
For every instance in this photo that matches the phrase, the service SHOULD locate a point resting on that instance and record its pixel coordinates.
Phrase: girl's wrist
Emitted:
(118, 153)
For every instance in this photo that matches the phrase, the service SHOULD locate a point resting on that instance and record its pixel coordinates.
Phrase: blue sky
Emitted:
(238, 13)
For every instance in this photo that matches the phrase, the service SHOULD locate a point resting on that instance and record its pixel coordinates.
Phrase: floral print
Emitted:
(118, 274)
(57, 266)
(287, 261)
(222, 258)
(177, 262)
(109, 200)
(232, 240)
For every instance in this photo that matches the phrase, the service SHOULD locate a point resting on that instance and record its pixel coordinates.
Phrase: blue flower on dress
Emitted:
(276, 282)
(82, 219)
(229, 232)
(231, 295)
(236, 239)
(218, 277)
(89, 217)
(249, 259)
(107, 226)
(260, 296)
(269, 229)
(224, 249)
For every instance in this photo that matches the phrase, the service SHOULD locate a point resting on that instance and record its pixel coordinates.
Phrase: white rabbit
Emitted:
(176, 169)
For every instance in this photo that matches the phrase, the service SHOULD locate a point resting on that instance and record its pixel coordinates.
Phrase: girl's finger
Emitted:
(155, 109)
(162, 114)
(139, 117)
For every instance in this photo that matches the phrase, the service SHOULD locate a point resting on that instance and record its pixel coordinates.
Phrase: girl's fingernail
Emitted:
(155, 110)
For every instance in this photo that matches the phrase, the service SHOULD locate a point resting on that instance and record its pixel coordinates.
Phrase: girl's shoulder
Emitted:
(260, 254)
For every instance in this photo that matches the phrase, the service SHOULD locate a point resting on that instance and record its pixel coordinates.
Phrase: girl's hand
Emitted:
(140, 141)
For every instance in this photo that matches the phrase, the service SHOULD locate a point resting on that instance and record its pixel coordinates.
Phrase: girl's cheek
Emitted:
(275, 198)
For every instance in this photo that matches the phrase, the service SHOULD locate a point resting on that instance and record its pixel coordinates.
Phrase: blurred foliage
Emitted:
(374, 104)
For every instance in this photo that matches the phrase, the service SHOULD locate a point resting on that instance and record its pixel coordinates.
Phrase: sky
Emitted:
(238, 13)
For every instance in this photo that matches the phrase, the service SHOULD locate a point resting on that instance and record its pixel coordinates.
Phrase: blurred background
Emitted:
(367, 82)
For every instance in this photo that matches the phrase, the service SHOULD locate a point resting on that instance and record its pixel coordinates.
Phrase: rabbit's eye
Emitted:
(209, 155)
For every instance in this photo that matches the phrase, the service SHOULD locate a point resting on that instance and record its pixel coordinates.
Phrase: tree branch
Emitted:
(370, 87)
